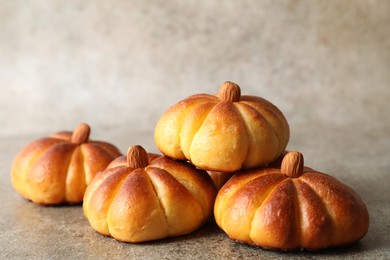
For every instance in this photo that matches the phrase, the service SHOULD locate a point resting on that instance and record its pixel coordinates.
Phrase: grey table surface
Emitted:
(357, 158)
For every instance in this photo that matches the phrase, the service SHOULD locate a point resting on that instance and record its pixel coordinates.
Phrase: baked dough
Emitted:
(291, 208)
(225, 132)
(142, 198)
(58, 168)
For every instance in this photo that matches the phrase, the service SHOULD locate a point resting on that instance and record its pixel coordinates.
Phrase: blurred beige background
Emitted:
(118, 65)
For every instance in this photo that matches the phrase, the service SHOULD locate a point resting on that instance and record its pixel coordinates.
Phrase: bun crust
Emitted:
(162, 199)
(223, 134)
(57, 169)
(271, 209)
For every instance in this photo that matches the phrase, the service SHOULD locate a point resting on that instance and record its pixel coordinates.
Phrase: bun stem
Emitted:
(137, 157)
(292, 164)
(81, 134)
(229, 92)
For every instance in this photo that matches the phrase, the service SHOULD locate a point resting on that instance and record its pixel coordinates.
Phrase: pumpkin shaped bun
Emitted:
(225, 132)
(58, 168)
(146, 197)
(290, 208)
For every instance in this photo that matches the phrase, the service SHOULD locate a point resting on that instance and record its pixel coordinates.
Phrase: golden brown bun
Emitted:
(57, 169)
(138, 199)
(290, 208)
(223, 133)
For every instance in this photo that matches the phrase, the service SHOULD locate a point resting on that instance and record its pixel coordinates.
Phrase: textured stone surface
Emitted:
(30, 231)
(119, 64)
